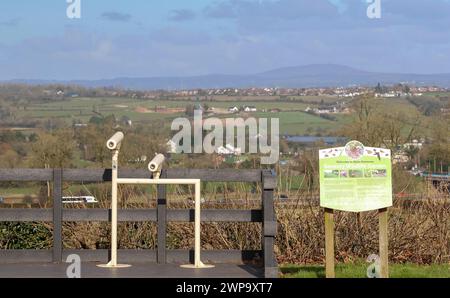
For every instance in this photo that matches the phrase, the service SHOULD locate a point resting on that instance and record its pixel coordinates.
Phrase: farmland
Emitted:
(292, 118)
(291, 112)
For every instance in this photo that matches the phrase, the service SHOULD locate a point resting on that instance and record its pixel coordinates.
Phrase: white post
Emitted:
(114, 145)
(197, 230)
(197, 226)
(115, 161)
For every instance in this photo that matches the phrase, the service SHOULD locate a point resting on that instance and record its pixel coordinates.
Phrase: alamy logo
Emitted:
(255, 129)
(373, 271)
(374, 9)
(74, 269)
(73, 9)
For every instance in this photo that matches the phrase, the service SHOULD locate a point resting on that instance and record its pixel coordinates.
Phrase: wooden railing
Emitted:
(161, 215)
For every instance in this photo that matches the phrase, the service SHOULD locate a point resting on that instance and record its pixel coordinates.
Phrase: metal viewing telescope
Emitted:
(154, 167)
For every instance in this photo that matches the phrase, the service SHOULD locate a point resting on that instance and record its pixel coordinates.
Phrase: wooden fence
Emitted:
(161, 215)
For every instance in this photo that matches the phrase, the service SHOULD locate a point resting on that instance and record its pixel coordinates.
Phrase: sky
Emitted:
(147, 38)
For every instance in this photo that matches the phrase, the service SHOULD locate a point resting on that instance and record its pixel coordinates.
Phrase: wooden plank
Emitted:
(87, 175)
(211, 215)
(57, 215)
(130, 215)
(224, 175)
(85, 215)
(162, 221)
(24, 215)
(124, 215)
(26, 174)
(384, 242)
(102, 175)
(329, 243)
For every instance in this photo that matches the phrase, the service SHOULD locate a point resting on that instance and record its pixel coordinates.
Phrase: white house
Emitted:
(325, 110)
(233, 109)
(250, 109)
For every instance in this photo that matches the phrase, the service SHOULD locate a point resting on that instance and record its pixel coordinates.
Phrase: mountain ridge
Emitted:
(312, 75)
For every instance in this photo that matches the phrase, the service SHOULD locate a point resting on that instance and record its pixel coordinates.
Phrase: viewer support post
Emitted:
(155, 167)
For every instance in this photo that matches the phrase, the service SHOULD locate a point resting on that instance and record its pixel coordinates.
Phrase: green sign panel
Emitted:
(355, 178)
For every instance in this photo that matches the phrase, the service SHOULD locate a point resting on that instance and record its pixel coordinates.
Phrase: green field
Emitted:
(81, 109)
(358, 270)
(114, 104)
(293, 120)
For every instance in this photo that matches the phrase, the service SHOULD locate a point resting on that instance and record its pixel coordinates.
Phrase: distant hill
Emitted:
(315, 75)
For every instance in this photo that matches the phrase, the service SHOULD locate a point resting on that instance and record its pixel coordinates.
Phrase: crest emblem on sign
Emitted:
(354, 150)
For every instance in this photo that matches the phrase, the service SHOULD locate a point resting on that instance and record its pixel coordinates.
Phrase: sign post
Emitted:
(355, 178)
(383, 239)
(329, 243)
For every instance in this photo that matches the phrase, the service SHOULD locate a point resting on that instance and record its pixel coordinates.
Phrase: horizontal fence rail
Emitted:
(104, 175)
(131, 255)
(130, 215)
(160, 215)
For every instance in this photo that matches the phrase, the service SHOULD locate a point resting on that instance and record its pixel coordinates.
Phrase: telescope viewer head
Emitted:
(114, 142)
(155, 164)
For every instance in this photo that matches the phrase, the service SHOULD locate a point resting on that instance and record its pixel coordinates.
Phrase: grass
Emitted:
(116, 104)
(293, 120)
(301, 123)
(359, 269)
(81, 108)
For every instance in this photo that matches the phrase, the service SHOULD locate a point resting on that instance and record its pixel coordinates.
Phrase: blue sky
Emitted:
(143, 38)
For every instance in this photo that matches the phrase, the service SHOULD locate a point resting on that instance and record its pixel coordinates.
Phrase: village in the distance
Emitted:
(410, 120)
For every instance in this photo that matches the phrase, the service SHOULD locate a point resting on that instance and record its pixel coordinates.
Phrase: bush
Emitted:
(25, 235)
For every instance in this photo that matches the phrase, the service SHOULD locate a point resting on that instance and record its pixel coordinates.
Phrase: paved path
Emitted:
(137, 270)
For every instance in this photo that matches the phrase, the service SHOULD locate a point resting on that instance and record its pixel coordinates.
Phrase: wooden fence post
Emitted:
(384, 244)
(329, 243)
(57, 215)
(269, 183)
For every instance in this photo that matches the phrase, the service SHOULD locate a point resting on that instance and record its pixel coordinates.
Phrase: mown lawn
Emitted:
(358, 270)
